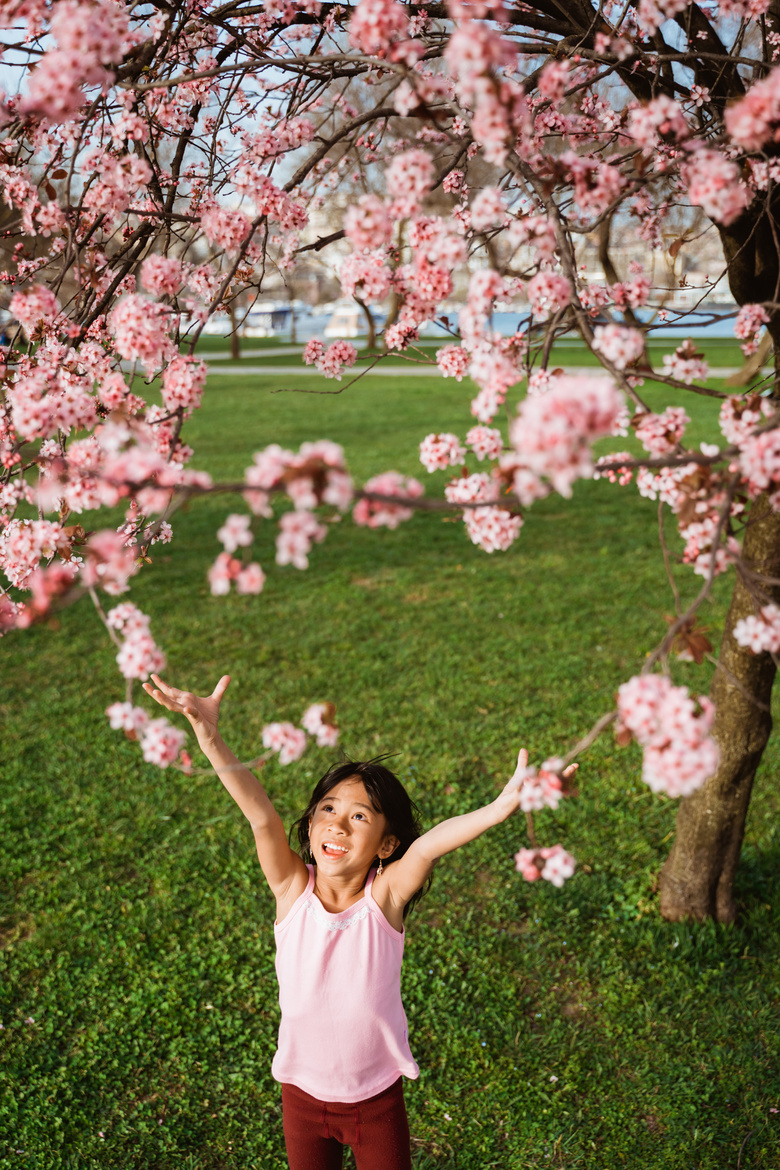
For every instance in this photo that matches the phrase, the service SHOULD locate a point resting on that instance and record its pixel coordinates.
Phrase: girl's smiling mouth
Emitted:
(331, 849)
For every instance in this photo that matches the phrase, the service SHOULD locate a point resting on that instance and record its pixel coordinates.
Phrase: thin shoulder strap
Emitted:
(369, 884)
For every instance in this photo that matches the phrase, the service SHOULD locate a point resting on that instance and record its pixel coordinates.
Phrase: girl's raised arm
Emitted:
(408, 874)
(282, 867)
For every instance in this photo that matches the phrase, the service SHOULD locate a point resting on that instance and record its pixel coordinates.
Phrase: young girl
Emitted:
(343, 1044)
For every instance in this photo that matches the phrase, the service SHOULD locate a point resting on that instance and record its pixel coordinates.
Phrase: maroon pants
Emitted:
(315, 1132)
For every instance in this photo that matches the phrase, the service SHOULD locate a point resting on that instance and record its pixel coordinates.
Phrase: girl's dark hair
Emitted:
(388, 796)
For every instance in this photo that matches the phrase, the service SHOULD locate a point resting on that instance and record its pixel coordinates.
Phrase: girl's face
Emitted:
(346, 832)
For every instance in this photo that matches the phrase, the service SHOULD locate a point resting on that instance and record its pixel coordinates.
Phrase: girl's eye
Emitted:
(327, 807)
(360, 815)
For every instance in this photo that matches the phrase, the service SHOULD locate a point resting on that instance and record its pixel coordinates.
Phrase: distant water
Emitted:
(697, 324)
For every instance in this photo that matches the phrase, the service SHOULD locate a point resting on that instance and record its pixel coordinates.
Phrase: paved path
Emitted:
(383, 370)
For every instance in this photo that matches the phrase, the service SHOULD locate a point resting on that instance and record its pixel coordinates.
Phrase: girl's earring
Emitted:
(380, 867)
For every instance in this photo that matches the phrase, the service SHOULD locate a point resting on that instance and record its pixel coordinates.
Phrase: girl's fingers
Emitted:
(522, 759)
(572, 768)
(221, 687)
(171, 692)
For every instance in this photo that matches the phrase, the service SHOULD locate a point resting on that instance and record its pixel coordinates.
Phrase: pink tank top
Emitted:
(343, 1035)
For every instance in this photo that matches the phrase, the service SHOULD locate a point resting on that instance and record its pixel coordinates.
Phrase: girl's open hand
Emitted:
(201, 711)
(509, 800)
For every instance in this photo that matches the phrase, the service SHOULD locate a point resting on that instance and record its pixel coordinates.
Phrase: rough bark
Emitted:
(697, 879)
(753, 364)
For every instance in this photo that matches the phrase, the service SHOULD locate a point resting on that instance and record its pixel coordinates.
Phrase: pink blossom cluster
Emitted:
(367, 224)
(161, 742)
(139, 656)
(286, 739)
(88, 38)
(331, 361)
(318, 720)
(685, 364)
(485, 442)
(227, 569)
(619, 344)
(479, 58)
(748, 324)
(660, 434)
(760, 632)
(553, 432)
(552, 863)
(24, 543)
(755, 120)
(542, 788)
(162, 275)
(679, 753)
(615, 473)
(109, 562)
(548, 292)
(226, 228)
(140, 328)
(453, 361)
(714, 183)
(314, 475)
(596, 184)
(297, 533)
(739, 417)
(490, 528)
(33, 307)
(376, 25)
(409, 178)
(657, 121)
(183, 382)
(366, 276)
(385, 513)
(488, 209)
(759, 462)
(437, 452)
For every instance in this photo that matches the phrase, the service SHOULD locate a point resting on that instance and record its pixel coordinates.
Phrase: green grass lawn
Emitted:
(566, 1028)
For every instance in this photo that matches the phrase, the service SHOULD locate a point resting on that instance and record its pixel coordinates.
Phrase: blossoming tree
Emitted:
(158, 159)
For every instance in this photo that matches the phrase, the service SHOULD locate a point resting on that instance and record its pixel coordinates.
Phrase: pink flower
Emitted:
(382, 514)
(376, 25)
(126, 717)
(661, 433)
(686, 364)
(161, 742)
(33, 307)
(367, 224)
(553, 432)
(548, 292)
(485, 442)
(620, 345)
(491, 529)
(235, 532)
(748, 324)
(365, 275)
(714, 183)
(488, 209)
(438, 452)
(251, 579)
(183, 383)
(162, 275)
(318, 720)
(297, 532)
(755, 119)
(331, 360)
(286, 739)
(453, 361)
(138, 656)
(679, 754)
(553, 864)
(760, 633)
(140, 329)
(109, 562)
(409, 178)
(225, 228)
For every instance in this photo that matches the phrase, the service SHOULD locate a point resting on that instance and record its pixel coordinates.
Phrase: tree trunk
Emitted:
(371, 338)
(697, 878)
(235, 340)
(753, 364)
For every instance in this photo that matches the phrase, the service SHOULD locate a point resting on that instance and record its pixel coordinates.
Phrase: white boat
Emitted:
(349, 320)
